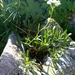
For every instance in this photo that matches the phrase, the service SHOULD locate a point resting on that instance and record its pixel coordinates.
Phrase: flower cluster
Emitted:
(55, 2)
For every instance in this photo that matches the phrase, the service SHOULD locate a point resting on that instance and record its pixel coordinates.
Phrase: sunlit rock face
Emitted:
(71, 50)
(9, 58)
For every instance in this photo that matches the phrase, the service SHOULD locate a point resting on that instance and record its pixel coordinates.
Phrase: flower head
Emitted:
(49, 2)
(55, 2)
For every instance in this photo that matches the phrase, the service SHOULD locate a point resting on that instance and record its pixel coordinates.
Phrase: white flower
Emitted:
(49, 2)
(55, 2)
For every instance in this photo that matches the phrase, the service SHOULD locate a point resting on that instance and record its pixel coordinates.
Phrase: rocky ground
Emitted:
(11, 61)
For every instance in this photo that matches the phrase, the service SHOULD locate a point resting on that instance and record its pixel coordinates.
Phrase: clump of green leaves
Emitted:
(52, 42)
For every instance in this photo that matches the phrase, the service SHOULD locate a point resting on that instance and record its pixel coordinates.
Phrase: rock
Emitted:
(71, 49)
(10, 58)
(66, 64)
(72, 24)
(73, 20)
(51, 22)
(47, 61)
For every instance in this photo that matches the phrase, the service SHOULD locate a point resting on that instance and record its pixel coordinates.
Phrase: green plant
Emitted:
(50, 43)
(19, 16)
